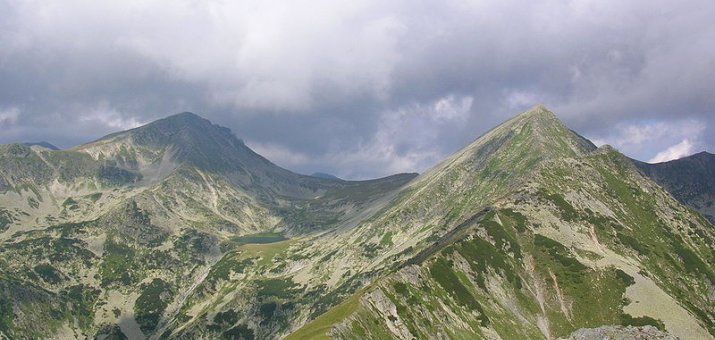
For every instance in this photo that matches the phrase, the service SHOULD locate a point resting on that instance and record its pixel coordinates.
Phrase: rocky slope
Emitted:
(529, 232)
(691, 180)
(550, 235)
(109, 236)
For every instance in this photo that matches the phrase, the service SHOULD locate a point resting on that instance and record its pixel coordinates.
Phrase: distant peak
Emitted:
(606, 148)
(43, 144)
(325, 176)
(184, 117)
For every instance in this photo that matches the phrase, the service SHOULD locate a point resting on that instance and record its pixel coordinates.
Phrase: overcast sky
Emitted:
(362, 88)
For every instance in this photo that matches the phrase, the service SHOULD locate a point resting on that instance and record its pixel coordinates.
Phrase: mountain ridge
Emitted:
(690, 179)
(529, 231)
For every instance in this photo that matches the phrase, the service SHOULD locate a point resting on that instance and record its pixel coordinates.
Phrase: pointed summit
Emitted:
(533, 135)
(500, 160)
(537, 111)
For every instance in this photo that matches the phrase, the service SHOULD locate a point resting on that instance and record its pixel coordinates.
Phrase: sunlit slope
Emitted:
(583, 241)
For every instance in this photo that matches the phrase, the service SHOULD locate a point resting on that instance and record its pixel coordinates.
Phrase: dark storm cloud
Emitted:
(361, 88)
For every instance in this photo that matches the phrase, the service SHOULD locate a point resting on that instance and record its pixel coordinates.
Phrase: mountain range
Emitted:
(691, 180)
(177, 229)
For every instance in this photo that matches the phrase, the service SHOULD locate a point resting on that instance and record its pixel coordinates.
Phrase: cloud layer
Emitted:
(361, 88)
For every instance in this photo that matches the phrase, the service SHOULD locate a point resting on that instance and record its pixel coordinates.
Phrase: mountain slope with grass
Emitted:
(178, 230)
(578, 239)
(111, 236)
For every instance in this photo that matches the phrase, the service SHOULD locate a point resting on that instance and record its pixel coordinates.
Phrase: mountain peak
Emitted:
(184, 117)
(42, 144)
(184, 137)
(542, 129)
(702, 154)
(178, 122)
(539, 110)
(514, 148)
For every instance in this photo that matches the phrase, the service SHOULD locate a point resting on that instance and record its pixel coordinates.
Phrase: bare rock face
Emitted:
(620, 333)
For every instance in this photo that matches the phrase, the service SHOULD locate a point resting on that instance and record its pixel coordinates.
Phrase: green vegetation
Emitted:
(224, 267)
(386, 240)
(519, 221)
(95, 197)
(118, 263)
(228, 317)
(441, 271)
(483, 255)
(504, 238)
(558, 252)
(151, 304)
(318, 328)
(631, 242)
(568, 213)
(627, 320)
(48, 273)
(268, 310)
(6, 219)
(280, 288)
(627, 279)
(691, 261)
(70, 204)
(83, 299)
(7, 315)
(239, 332)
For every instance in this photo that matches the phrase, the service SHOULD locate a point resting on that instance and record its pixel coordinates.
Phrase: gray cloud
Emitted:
(361, 89)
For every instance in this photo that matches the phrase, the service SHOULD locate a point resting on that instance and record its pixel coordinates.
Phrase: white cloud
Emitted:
(276, 55)
(682, 149)
(110, 118)
(643, 140)
(259, 65)
(279, 154)
(407, 139)
(8, 116)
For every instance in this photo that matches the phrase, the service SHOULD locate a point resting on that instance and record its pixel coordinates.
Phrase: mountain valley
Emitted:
(177, 229)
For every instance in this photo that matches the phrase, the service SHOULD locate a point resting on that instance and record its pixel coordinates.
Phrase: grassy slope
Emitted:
(517, 291)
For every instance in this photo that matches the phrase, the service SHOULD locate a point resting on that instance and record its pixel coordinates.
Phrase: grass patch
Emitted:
(151, 303)
(6, 219)
(627, 279)
(239, 332)
(281, 288)
(386, 239)
(441, 271)
(117, 263)
(83, 298)
(317, 328)
(519, 221)
(691, 261)
(266, 251)
(627, 320)
(481, 255)
(560, 253)
(568, 213)
(48, 273)
(223, 268)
